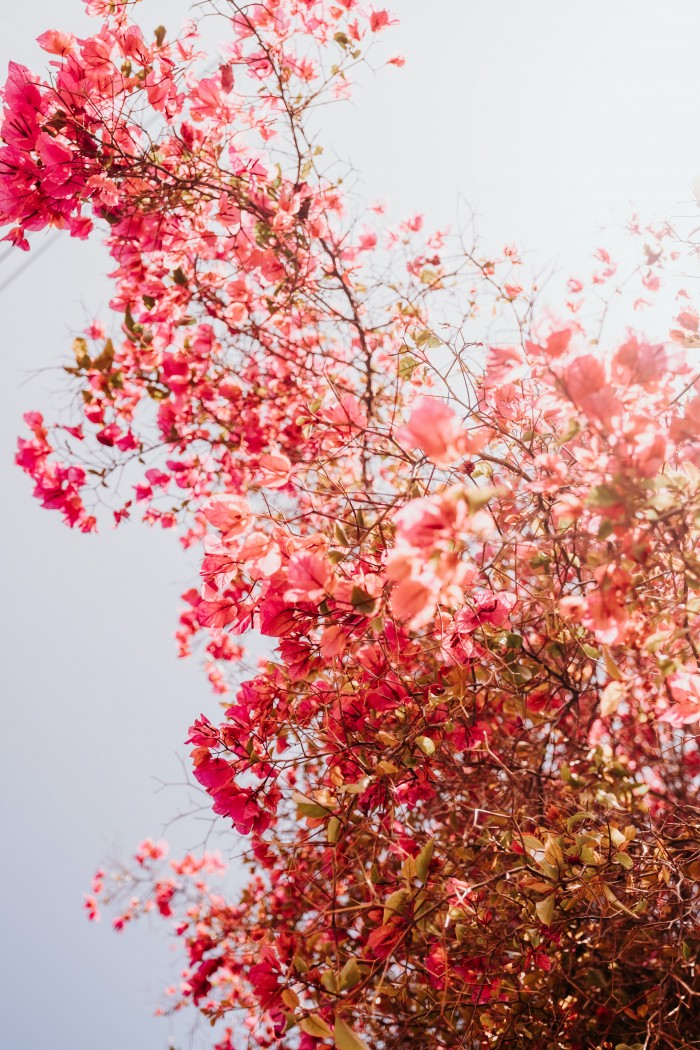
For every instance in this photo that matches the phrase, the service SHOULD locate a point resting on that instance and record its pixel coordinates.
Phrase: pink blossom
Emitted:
(260, 554)
(484, 606)
(437, 431)
(228, 513)
(414, 599)
(310, 577)
(585, 381)
(504, 364)
(685, 690)
(57, 43)
(380, 20)
(275, 469)
(425, 521)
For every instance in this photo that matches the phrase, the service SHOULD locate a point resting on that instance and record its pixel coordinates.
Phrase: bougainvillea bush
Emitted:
(464, 779)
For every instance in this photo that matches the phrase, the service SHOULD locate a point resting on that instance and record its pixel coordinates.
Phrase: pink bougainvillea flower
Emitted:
(57, 43)
(438, 432)
(484, 607)
(685, 690)
(424, 522)
(275, 469)
(229, 514)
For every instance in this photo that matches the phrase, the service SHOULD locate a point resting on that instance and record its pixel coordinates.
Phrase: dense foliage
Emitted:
(466, 777)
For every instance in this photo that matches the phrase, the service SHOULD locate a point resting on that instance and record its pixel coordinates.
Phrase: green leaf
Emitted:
(611, 667)
(545, 910)
(423, 860)
(333, 830)
(341, 535)
(426, 340)
(80, 349)
(604, 496)
(571, 431)
(311, 809)
(179, 276)
(106, 358)
(361, 601)
(350, 975)
(478, 496)
(330, 981)
(316, 1026)
(589, 856)
(426, 745)
(610, 699)
(345, 1038)
(606, 529)
(159, 33)
(394, 903)
(407, 366)
(534, 845)
(540, 560)
(357, 788)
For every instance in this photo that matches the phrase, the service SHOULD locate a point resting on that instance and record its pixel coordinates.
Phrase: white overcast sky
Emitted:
(551, 118)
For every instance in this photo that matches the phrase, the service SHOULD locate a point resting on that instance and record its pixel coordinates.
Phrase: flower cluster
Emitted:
(465, 776)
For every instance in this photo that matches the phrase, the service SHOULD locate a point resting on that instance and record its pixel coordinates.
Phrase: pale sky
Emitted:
(551, 118)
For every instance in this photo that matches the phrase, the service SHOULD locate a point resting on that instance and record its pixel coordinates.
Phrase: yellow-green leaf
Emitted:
(617, 837)
(311, 809)
(611, 667)
(329, 981)
(479, 496)
(290, 998)
(350, 975)
(316, 1026)
(577, 818)
(407, 366)
(533, 844)
(346, 1039)
(361, 601)
(426, 340)
(394, 903)
(545, 910)
(341, 535)
(610, 699)
(423, 860)
(589, 856)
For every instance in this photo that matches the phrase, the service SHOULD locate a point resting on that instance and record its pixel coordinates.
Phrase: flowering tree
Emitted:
(465, 777)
